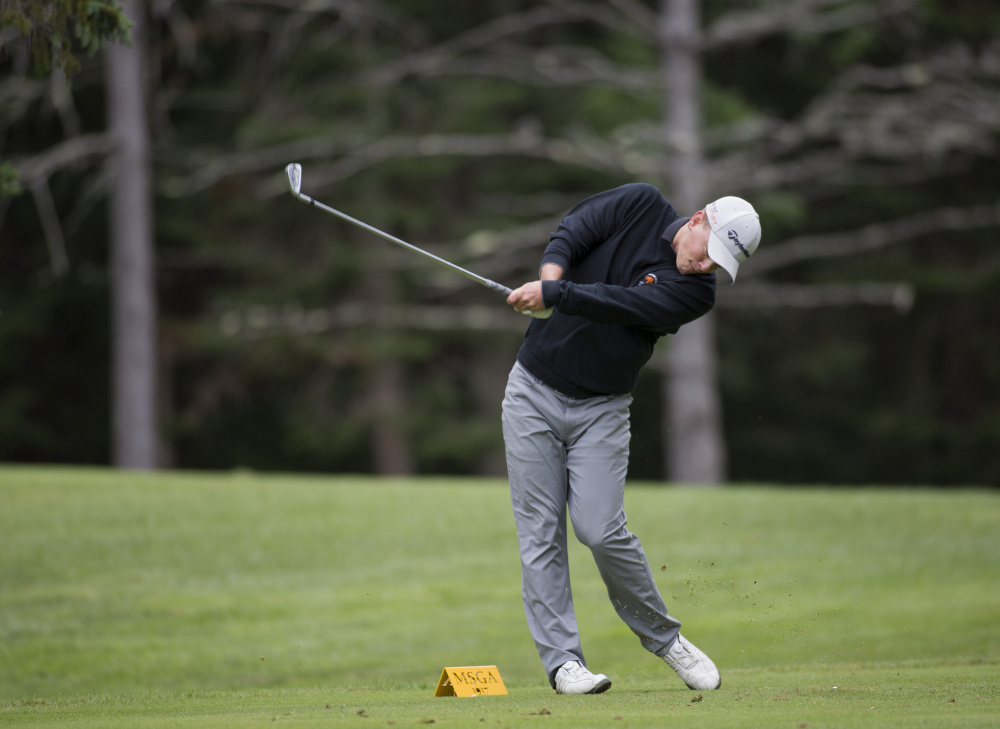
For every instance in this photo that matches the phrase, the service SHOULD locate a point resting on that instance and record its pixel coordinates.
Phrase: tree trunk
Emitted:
(695, 447)
(387, 394)
(388, 397)
(133, 288)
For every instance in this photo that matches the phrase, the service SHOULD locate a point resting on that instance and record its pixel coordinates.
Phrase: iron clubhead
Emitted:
(294, 172)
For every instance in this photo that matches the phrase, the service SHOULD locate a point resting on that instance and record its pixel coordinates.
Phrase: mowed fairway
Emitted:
(233, 600)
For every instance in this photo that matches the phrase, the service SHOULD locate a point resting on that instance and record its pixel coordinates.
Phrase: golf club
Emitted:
(294, 172)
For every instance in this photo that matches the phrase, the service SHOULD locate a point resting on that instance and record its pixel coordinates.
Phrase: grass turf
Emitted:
(237, 599)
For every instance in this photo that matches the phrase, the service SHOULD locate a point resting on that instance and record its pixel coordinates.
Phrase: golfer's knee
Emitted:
(598, 537)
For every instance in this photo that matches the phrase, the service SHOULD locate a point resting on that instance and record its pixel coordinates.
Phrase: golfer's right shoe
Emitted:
(574, 678)
(692, 665)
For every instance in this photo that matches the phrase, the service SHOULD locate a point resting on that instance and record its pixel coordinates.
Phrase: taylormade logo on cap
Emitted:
(735, 232)
(735, 238)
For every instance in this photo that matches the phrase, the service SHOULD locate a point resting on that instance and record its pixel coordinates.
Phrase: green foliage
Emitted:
(263, 364)
(853, 46)
(977, 19)
(724, 106)
(73, 363)
(603, 108)
(929, 414)
(50, 27)
(9, 181)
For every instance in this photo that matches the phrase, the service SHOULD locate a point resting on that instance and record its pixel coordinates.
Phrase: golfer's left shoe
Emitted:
(575, 678)
(692, 665)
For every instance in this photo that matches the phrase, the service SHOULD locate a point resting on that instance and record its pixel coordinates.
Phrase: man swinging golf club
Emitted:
(622, 270)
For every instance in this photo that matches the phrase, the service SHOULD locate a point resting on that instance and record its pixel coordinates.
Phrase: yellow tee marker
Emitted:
(470, 681)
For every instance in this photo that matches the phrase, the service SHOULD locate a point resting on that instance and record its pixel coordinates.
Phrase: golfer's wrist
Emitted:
(550, 272)
(551, 293)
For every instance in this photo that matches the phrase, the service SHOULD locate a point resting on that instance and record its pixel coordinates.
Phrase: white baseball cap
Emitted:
(735, 232)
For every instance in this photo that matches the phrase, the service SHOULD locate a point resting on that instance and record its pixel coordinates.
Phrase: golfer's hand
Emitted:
(527, 298)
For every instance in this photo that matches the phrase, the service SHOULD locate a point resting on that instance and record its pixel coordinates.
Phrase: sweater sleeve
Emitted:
(593, 221)
(662, 307)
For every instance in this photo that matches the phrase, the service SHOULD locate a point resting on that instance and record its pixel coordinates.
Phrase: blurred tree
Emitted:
(561, 58)
(694, 443)
(792, 152)
(864, 132)
(46, 31)
(133, 300)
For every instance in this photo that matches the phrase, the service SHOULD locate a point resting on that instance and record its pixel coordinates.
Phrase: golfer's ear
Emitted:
(699, 218)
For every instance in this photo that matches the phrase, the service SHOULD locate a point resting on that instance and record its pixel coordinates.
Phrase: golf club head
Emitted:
(294, 172)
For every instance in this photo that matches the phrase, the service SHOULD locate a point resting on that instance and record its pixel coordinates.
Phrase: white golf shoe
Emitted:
(692, 665)
(574, 678)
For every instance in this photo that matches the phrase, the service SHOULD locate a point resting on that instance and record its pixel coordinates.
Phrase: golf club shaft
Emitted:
(499, 288)
(294, 173)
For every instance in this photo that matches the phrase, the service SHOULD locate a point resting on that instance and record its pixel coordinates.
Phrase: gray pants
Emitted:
(561, 452)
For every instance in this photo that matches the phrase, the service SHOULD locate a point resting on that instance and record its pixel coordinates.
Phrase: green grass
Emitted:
(240, 599)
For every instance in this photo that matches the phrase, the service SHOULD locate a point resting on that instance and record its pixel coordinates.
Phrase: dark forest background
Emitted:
(861, 345)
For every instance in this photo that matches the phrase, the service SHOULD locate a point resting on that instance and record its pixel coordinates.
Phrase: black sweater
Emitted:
(620, 292)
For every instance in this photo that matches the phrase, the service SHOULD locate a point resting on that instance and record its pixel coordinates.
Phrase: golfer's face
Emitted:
(692, 250)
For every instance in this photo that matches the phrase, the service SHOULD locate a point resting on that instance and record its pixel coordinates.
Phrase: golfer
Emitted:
(623, 269)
